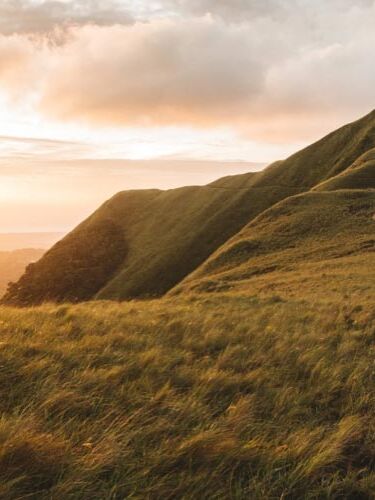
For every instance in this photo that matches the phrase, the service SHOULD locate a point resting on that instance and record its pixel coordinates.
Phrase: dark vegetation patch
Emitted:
(74, 269)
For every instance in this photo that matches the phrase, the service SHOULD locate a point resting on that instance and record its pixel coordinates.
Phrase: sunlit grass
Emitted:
(223, 396)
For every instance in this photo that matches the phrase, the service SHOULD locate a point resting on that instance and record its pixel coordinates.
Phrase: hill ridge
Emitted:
(169, 234)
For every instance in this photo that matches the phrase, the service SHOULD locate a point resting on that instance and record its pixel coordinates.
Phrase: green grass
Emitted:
(360, 175)
(319, 242)
(219, 396)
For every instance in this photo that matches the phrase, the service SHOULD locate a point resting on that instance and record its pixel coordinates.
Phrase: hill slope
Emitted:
(302, 245)
(168, 234)
(360, 175)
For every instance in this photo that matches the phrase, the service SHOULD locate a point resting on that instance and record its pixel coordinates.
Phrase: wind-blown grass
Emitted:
(223, 396)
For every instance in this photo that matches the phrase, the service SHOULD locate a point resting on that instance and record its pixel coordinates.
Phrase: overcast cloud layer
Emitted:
(42, 17)
(272, 69)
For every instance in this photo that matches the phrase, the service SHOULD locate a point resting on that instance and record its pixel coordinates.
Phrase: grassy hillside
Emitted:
(326, 158)
(254, 378)
(169, 234)
(13, 264)
(211, 397)
(298, 246)
(360, 175)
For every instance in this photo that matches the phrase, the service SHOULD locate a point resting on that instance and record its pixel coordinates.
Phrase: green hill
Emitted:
(360, 175)
(167, 234)
(308, 238)
(160, 237)
(317, 242)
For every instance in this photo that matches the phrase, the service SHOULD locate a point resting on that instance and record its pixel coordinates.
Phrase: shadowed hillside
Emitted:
(168, 234)
(74, 269)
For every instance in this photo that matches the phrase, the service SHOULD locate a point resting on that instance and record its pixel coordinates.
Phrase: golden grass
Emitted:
(224, 396)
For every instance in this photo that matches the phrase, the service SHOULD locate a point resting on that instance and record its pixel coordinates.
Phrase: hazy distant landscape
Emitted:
(19, 241)
(13, 265)
(18, 250)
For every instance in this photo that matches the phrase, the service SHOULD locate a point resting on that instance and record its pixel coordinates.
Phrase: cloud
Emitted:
(17, 65)
(20, 149)
(283, 70)
(229, 10)
(27, 16)
(160, 73)
(242, 11)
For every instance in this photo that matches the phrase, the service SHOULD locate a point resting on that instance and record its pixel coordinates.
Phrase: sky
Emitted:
(98, 96)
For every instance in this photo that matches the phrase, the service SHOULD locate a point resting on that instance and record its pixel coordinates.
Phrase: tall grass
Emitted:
(224, 396)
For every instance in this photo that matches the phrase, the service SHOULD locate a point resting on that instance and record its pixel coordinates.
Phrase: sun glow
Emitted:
(88, 90)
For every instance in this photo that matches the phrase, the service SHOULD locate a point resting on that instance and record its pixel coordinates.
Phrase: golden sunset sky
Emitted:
(101, 96)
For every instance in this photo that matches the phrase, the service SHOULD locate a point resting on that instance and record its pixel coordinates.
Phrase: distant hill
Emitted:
(163, 236)
(18, 241)
(13, 265)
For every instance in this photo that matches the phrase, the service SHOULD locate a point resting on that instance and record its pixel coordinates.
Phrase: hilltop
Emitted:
(324, 237)
(142, 244)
